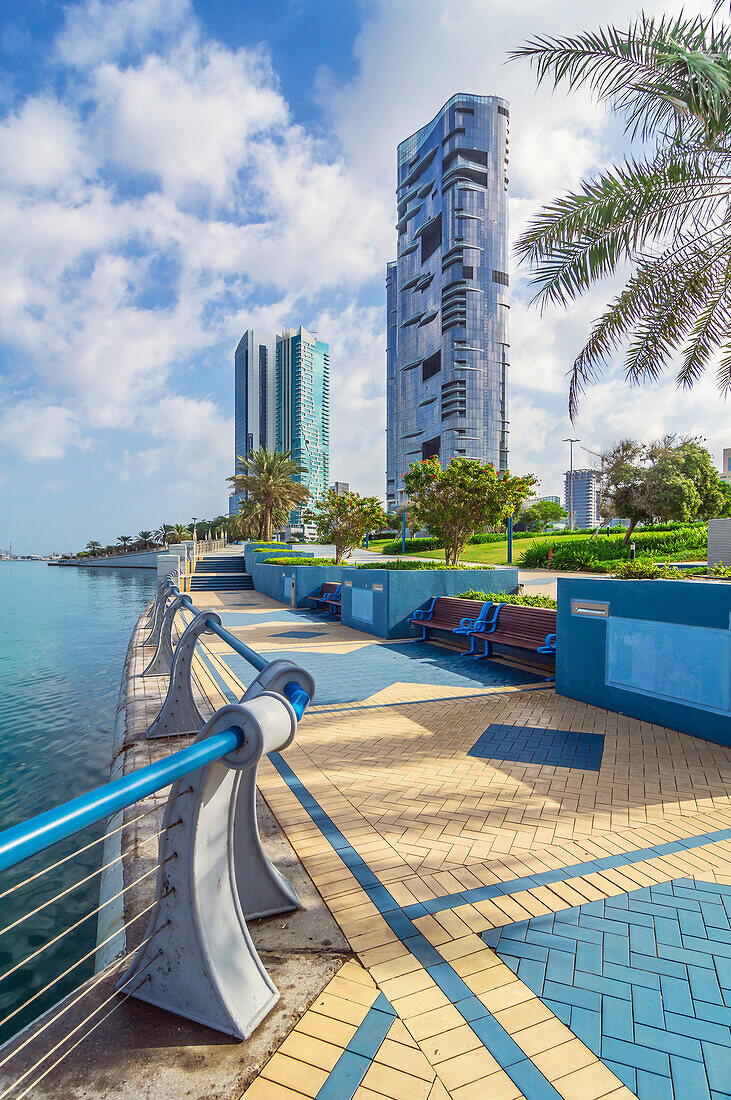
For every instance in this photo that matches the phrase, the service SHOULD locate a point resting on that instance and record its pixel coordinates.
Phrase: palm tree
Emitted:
(93, 547)
(665, 213)
(176, 532)
(268, 479)
(161, 535)
(145, 537)
(125, 540)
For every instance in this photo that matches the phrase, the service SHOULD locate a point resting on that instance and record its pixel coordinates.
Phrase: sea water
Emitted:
(64, 633)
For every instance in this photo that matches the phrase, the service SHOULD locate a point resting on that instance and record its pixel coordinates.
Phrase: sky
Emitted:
(173, 172)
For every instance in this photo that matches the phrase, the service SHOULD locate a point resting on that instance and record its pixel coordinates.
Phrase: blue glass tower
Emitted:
(282, 402)
(447, 292)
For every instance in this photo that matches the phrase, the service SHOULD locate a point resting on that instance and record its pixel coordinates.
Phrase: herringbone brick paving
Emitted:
(421, 851)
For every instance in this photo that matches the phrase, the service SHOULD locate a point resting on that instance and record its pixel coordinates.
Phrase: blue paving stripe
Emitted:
(540, 745)
(352, 1065)
(665, 1034)
(492, 1034)
(573, 870)
(356, 676)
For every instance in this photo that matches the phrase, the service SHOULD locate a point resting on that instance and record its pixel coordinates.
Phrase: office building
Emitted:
(726, 465)
(282, 402)
(541, 500)
(583, 494)
(447, 292)
(340, 488)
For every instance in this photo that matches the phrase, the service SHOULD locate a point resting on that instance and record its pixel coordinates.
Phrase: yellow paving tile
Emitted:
(472, 1066)
(396, 1084)
(297, 1075)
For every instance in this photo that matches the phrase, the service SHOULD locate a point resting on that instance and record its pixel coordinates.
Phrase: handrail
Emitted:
(297, 696)
(38, 833)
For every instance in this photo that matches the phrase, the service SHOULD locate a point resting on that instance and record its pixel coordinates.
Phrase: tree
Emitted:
(124, 541)
(664, 480)
(663, 213)
(345, 520)
(93, 547)
(465, 496)
(161, 535)
(269, 480)
(539, 515)
(145, 537)
(726, 506)
(176, 532)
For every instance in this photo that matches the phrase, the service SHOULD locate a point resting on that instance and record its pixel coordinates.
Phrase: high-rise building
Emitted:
(282, 402)
(447, 292)
(583, 494)
(726, 465)
(340, 488)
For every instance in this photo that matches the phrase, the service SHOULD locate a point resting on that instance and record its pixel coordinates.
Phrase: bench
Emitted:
(531, 628)
(333, 601)
(323, 596)
(449, 615)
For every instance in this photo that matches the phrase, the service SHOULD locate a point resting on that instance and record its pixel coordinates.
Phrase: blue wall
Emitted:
(380, 601)
(254, 558)
(662, 654)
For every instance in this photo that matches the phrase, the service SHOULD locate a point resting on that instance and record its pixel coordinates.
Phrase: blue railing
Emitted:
(232, 742)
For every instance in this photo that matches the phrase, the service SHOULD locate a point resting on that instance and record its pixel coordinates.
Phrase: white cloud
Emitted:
(97, 29)
(38, 432)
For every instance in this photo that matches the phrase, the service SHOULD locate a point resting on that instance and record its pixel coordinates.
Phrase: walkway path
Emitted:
(538, 892)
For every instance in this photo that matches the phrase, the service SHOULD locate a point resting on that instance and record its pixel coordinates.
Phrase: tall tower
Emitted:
(282, 401)
(447, 292)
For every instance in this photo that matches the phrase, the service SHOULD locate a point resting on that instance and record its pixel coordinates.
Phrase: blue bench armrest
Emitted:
(550, 646)
(488, 625)
(425, 613)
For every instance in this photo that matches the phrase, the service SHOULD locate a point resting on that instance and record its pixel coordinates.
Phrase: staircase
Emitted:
(221, 572)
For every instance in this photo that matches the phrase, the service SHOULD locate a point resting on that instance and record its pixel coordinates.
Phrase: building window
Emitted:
(263, 395)
(500, 277)
(431, 366)
(431, 447)
(431, 239)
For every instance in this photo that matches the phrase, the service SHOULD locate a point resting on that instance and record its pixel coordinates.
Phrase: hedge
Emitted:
(507, 597)
(393, 565)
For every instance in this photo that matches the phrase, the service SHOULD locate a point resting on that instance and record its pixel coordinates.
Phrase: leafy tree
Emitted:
(145, 537)
(345, 520)
(269, 478)
(539, 515)
(465, 496)
(124, 541)
(662, 212)
(663, 480)
(93, 547)
(726, 506)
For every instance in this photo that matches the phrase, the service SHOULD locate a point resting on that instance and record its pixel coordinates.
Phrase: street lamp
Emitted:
(571, 442)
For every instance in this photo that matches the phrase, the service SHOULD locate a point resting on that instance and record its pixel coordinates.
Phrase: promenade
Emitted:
(537, 892)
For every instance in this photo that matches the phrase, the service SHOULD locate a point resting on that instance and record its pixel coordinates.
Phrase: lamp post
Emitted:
(571, 442)
(194, 521)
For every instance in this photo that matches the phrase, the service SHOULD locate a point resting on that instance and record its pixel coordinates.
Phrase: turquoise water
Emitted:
(63, 641)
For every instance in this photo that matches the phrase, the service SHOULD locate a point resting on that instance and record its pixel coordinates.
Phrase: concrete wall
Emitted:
(144, 560)
(719, 541)
(656, 650)
(256, 559)
(379, 601)
(251, 555)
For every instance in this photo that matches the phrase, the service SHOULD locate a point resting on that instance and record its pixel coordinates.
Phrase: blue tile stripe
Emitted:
(491, 1034)
(352, 1065)
(573, 870)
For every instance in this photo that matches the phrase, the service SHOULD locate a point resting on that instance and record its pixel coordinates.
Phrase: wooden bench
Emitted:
(323, 596)
(333, 601)
(449, 615)
(531, 628)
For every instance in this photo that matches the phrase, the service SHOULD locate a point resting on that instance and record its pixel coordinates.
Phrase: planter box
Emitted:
(379, 601)
(657, 650)
(254, 558)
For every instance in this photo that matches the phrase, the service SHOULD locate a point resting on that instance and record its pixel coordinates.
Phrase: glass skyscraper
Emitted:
(282, 402)
(447, 292)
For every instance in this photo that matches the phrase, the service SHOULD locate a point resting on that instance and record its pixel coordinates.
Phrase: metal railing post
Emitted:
(197, 958)
(162, 663)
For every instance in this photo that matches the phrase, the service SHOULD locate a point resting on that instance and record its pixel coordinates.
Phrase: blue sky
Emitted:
(173, 171)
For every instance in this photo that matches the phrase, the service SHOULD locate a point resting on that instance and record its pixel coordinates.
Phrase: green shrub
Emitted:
(640, 570)
(507, 597)
(284, 560)
(583, 553)
(411, 564)
(719, 570)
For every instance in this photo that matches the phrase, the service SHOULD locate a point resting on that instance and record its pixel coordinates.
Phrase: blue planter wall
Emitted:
(662, 653)
(254, 558)
(379, 601)
(251, 554)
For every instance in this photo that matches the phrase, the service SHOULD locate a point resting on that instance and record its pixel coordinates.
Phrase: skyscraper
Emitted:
(447, 292)
(583, 494)
(282, 402)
